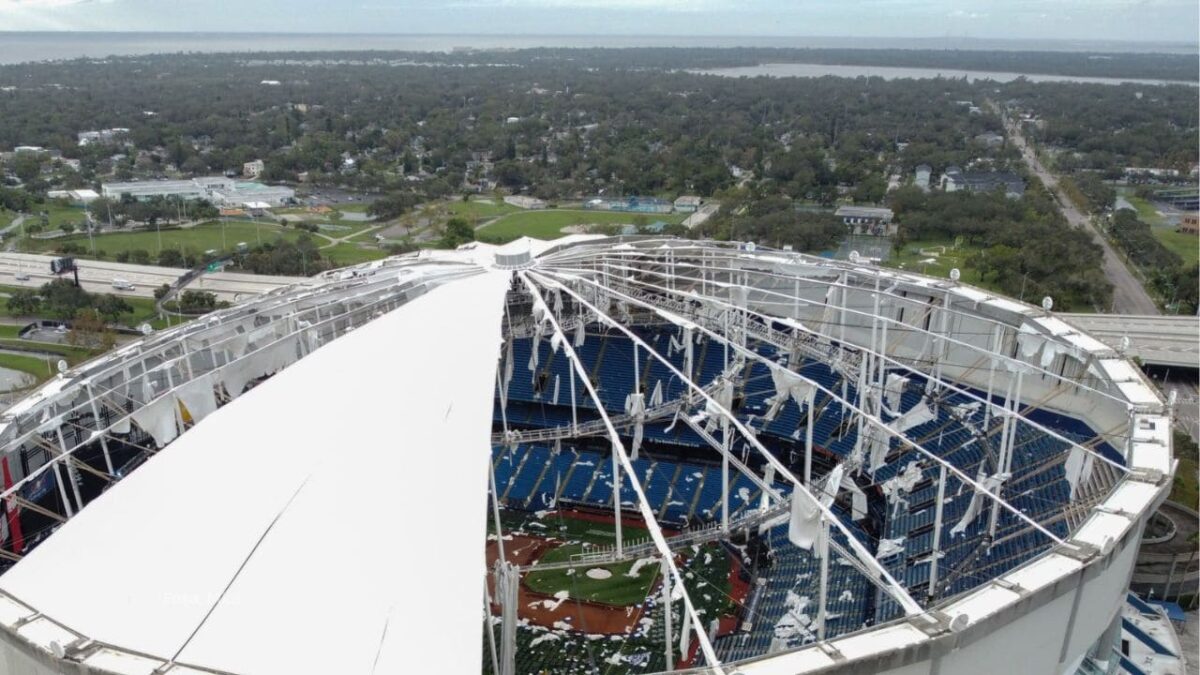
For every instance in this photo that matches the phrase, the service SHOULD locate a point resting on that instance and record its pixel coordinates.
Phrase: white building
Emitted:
(74, 196)
(687, 203)
(253, 169)
(921, 177)
(525, 202)
(219, 190)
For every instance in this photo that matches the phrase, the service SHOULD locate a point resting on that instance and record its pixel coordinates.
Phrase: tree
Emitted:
(89, 331)
(111, 307)
(197, 301)
(458, 232)
(24, 302)
(139, 256)
(63, 299)
(161, 291)
(169, 257)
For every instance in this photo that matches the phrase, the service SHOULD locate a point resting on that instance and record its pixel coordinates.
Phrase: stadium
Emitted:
(592, 455)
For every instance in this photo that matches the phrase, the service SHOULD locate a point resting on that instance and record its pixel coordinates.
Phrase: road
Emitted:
(96, 276)
(1129, 297)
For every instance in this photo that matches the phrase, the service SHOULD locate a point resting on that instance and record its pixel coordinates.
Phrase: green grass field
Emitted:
(910, 259)
(548, 224)
(57, 215)
(1187, 246)
(621, 588)
(199, 238)
(347, 253)
(479, 209)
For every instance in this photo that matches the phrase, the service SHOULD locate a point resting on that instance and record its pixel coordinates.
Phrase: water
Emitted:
(895, 73)
(17, 47)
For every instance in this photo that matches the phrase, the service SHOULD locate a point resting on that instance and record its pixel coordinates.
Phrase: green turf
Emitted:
(910, 259)
(619, 589)
(548, 224)
(1187, 246)
(480, 209)
(1145, 210)
(1185, 490)
(347, 253)
(37, 366)
(199, 239)
(57, 214)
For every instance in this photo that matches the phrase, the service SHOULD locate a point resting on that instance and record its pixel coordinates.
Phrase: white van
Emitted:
(122, 285)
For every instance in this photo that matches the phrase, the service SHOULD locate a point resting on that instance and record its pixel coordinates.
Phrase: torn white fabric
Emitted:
(893, 391)
(787, 385)
(916, 416)
(897, 488)
(121, 426)
(890, 547)
(508, 365)
(1078, 468)
(721, 398)
(554, 395)
(635, 407)
(858, 498)
(989, 483)
(656, 396)
(877, 445)
(234, 376)
(198, 397)
(804, 527)
(160, 419)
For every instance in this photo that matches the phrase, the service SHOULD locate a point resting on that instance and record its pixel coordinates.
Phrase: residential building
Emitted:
(869, 216)
(1189, 223)
(253, 169)
(687, 203)
(101, 136)
(921, 177)
(955, 179)
(990, 139)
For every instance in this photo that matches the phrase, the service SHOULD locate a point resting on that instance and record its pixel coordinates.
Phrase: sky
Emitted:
(1091, 20)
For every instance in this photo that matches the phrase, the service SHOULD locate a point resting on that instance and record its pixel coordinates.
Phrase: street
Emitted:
(1129, 297)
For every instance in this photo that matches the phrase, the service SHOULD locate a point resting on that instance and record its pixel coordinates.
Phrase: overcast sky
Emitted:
(1106, 20)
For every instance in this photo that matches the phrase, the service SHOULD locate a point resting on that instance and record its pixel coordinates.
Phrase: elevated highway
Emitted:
(1157, 340)
(96, 276)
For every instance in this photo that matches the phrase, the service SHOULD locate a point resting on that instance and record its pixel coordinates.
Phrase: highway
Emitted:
(1157, 340)
(96, 276)
(1129, 296)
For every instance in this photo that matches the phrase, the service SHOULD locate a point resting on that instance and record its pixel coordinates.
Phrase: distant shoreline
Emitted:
(34, 46)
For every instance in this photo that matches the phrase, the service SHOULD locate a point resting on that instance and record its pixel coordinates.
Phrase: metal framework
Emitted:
(1009, 360)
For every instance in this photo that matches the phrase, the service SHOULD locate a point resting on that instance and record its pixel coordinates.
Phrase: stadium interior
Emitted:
(701, 454)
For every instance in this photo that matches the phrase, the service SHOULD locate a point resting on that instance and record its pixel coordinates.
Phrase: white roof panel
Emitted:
(278, 535)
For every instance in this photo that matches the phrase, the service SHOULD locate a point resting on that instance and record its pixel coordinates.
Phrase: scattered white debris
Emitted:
(637, 567)
(548, 637)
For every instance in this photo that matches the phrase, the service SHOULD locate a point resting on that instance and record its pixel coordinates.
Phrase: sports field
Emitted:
(550, 601)
(199, 239)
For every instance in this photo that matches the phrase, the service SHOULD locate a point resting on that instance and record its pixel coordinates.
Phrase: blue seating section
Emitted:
(681, 492)
(797, 573)
(532, 477)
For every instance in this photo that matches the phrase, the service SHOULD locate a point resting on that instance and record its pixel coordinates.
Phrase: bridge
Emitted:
(1172, 341)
